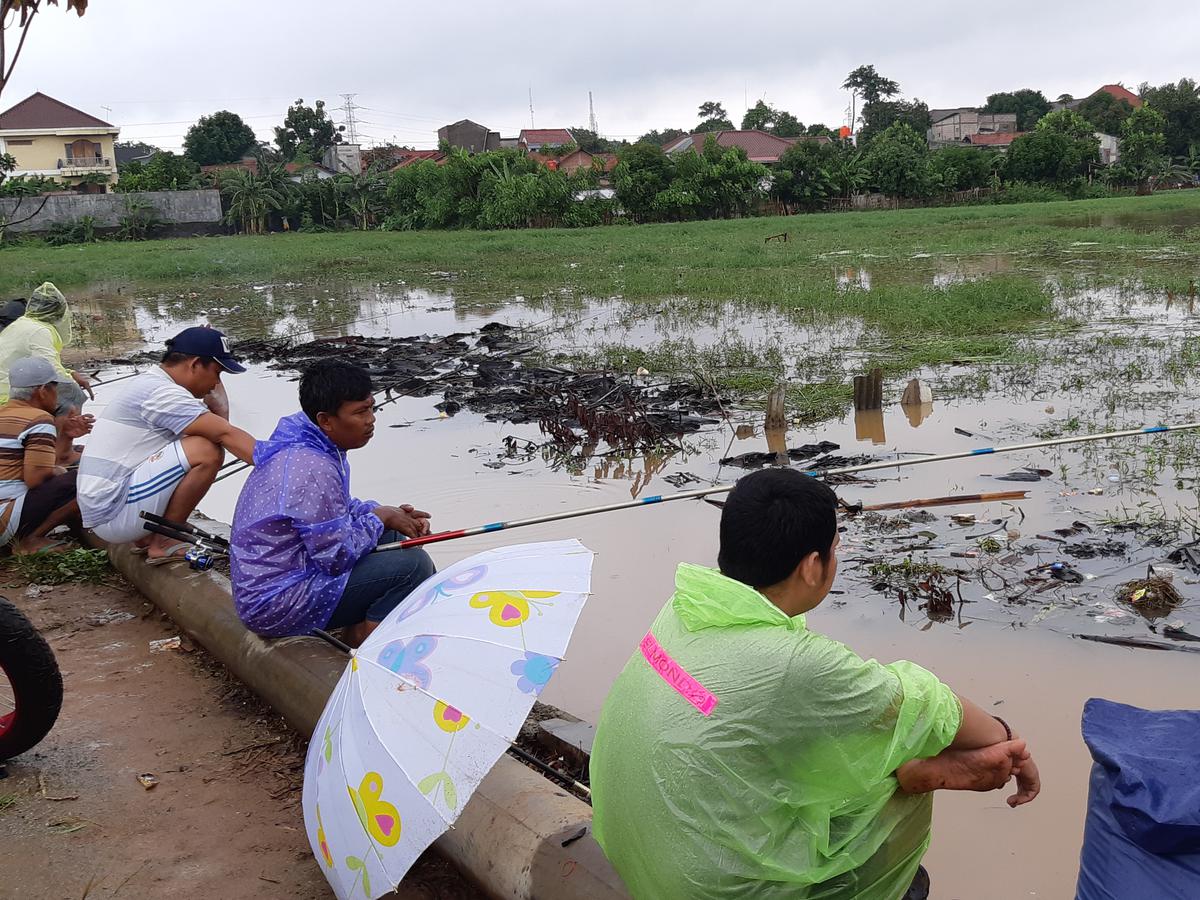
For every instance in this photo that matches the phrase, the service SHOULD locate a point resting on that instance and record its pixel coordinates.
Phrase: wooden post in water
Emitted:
(868, 390)
(776, 408)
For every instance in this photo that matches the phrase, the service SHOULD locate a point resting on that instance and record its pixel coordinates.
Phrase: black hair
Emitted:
(173, 358)
(328, 383)
(772, 520)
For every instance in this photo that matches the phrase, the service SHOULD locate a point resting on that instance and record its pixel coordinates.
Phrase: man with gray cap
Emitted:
(42, 332)
(36, 495)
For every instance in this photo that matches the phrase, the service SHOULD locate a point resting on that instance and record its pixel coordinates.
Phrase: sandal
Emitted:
(173, 554)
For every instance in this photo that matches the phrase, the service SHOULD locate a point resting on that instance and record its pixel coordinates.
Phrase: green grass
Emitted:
(722, 260)
(78, 565)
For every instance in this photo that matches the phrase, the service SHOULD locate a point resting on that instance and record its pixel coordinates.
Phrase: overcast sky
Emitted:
(160, 64)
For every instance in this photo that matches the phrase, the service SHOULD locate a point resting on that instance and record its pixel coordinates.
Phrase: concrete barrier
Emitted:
(520, 836)
(180, 212)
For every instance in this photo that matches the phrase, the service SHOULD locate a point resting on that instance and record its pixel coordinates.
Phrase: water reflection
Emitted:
(868, 426)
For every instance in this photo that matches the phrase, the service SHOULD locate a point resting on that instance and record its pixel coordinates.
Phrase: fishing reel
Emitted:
(206, 547)
(200, 559)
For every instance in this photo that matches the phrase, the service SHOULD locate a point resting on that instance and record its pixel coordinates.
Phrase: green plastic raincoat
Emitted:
(42, 332)
(785, 788)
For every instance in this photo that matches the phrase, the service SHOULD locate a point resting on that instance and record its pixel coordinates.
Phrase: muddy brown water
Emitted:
(1017, 657)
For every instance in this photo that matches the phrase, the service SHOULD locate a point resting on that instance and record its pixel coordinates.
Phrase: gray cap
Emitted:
(34, 372)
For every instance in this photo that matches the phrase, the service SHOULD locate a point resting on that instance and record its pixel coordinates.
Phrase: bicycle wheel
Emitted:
(31, 687)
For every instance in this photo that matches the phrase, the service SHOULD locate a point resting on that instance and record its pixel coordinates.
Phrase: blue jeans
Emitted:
(379, 582)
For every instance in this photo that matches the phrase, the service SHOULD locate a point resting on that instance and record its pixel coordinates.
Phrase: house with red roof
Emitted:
(760, 146)
(1116, 91)
(537, 138)
(50, 139)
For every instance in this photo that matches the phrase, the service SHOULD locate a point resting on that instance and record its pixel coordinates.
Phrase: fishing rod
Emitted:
(816, 473)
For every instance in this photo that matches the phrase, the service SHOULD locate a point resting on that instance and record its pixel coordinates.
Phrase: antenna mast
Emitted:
(592, 115)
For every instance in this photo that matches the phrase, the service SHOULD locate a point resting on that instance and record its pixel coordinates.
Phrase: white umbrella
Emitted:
(429, 703)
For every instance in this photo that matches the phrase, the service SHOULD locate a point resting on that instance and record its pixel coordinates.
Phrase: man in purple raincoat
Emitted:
(301, 545)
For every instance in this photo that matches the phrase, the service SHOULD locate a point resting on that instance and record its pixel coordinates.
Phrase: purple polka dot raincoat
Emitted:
(297, 532)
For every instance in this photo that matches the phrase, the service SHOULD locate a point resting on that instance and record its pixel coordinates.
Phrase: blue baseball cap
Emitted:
(207, 342)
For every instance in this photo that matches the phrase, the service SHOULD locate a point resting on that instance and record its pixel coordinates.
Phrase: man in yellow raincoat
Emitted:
(42, 332)
(740, 754)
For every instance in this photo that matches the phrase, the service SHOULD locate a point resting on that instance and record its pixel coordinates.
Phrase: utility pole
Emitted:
(531, 125)
(107, 111)
(348, 108)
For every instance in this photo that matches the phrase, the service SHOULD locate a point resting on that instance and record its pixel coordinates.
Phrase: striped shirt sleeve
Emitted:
(38, 440)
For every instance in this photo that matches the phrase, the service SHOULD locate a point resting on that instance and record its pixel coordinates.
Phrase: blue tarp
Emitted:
(1142, 834)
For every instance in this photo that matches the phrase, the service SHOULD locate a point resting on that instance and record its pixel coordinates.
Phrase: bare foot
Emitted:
(986, 769)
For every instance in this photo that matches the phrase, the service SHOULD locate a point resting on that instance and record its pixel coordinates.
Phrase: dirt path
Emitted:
(223, 820)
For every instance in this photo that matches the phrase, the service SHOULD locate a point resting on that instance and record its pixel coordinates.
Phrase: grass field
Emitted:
(720, 260)
(944, 284)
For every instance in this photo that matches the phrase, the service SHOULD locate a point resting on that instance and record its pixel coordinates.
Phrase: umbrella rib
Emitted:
(342, 765)
(399, 765)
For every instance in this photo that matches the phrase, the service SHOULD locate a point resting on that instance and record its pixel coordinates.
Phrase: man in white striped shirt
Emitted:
(158, 446)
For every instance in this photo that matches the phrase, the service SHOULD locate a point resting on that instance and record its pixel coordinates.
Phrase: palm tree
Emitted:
(251, 198)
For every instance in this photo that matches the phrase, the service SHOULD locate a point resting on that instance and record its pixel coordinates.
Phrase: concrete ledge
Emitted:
(510, 837)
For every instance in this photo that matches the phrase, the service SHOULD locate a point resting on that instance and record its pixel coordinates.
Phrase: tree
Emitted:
(19, 15)
(865, 82)
(1028, 104)
(590, 141)
(787, 125)
(1064, 98)
(803, 179)
(661, 137)
(220, 138)
(1061, 150)
(961, 168)
(251, 197)
(882, 114)
(760, 116)
(1180, 106)
(764, 117)
(307, 132)
(819, 130)
(164, 171)
(1144, 157)
(897, 161)
(1105, 112)
(713, 117)
(642, 173)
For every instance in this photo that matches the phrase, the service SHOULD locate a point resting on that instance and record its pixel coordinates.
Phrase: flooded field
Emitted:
(993, 603)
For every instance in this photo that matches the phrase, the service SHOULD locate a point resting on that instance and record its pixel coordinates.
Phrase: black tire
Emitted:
(32, 672)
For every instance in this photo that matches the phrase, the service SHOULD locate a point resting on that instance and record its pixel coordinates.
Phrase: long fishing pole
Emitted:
(816, 473)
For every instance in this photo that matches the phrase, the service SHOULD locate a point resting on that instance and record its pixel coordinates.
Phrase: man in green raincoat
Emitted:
(740, 754)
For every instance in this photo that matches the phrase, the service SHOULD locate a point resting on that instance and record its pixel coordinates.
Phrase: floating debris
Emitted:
(1152, 596)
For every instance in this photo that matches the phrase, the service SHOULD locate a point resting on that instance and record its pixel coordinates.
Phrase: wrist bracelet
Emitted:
(1007, 730)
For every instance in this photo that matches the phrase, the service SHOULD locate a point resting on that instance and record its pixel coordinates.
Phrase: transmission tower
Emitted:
(531, 125)
(592, 115)
(348, 108)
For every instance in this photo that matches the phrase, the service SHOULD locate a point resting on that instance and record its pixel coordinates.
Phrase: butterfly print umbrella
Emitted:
(430, 702)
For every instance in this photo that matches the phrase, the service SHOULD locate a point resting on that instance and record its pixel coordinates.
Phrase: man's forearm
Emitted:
(978, 728)
(239, 443)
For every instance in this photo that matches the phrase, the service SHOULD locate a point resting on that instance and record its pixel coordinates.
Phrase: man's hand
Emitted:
(83, 382)
(1029, 783)
(78, 426)
(985, 769)
(405, 519)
